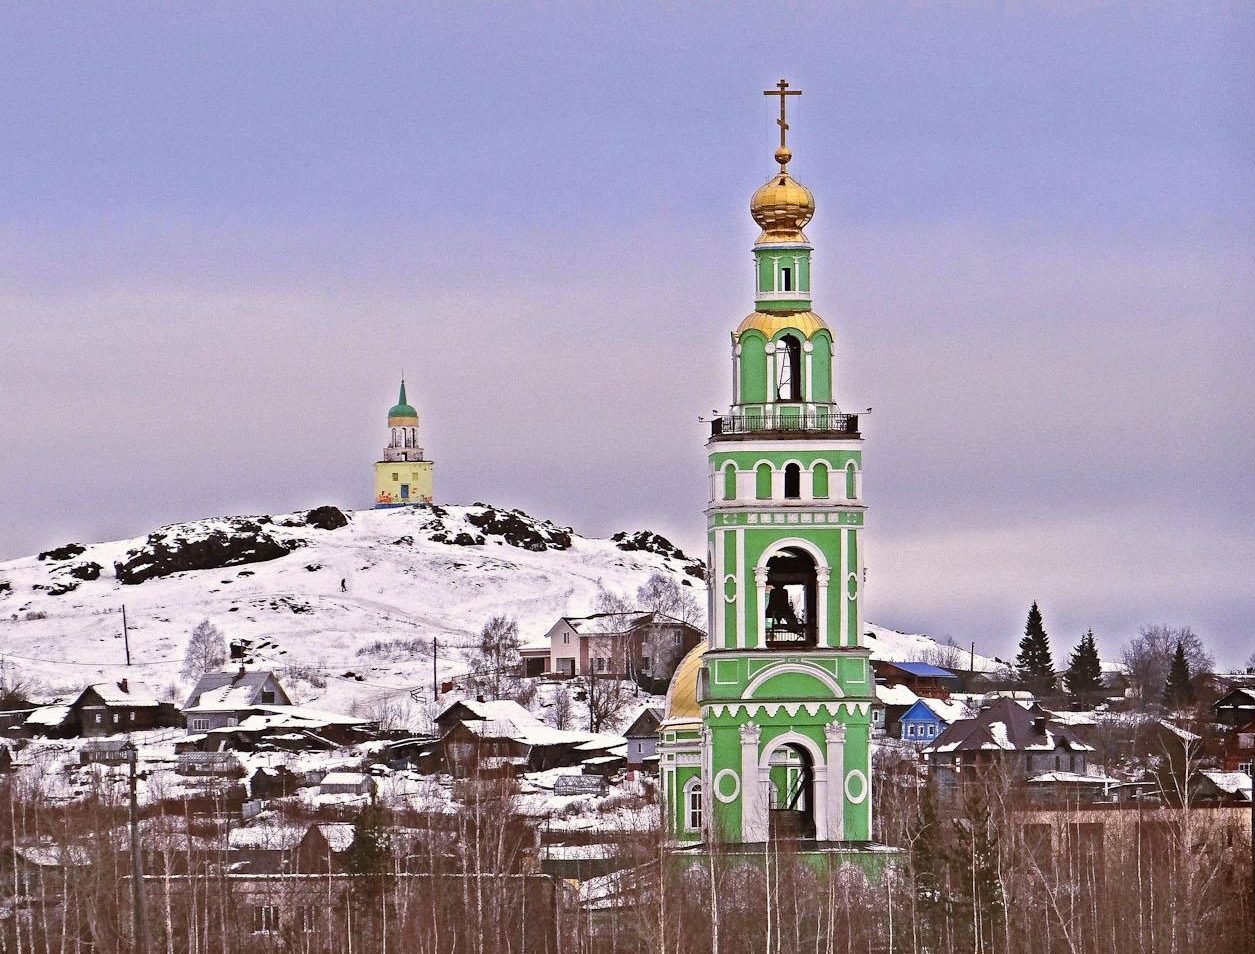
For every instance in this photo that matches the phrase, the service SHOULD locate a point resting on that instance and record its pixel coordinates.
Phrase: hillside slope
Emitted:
(274, 583)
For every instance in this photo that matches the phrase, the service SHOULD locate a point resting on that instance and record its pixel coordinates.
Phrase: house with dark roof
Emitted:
(1235, 707)
(108, 708)
(1022, 741)
(222, 699)
(923, 679)
(642, 737)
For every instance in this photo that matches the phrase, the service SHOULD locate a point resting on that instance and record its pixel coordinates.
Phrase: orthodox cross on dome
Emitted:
(782, 90)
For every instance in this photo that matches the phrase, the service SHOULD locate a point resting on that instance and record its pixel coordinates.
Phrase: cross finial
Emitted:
(782, 90)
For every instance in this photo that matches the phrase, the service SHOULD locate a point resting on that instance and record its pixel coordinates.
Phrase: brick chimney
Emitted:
(122, 684)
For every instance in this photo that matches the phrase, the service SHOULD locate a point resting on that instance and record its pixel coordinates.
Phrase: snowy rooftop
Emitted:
(895, 695)
(948, 710)
(135, 694)
(1235, 783)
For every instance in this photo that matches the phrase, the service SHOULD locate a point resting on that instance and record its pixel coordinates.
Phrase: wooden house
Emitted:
(346, 783)
(1239, 748)
(642, 737)
(110, 708)
(288, 848)
(928, 718)
(1236, 707)
(1004, 735)
(923, 679)
(223, 699)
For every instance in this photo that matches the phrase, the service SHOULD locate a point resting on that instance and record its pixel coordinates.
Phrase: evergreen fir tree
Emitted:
(1033, 665)
(1178, 691)
(1084, 675)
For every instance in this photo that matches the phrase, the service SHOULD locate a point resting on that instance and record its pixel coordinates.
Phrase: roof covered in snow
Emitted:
(124, 693)
(895, 695)
(1007, 726)
(494, 710)
(1232, 783)
(229, 690)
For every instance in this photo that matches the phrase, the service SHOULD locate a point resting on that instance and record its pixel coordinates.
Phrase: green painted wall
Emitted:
(762, 482)
(821, 367)
(819, 482)
(752, 372)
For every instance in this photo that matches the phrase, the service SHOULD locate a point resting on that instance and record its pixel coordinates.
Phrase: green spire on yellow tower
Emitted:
(402, 408)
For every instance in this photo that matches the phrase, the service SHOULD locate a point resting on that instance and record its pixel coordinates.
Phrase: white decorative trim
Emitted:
(718, 786)
(732, 578)
(806, 669)
(856, 775)
(739, 536)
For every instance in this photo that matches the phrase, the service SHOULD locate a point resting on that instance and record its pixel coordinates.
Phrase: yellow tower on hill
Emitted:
(404, 476)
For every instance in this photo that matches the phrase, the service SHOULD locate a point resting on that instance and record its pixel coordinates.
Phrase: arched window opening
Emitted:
(819, 481)
(791, 794)
(792, 597)
(729, 482)
(851, 481)
(693, 805)
(788, 369)
(762, 482)
(792, 481)
(786, 279)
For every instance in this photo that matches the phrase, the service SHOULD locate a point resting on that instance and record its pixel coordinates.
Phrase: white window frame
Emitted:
(693, 808)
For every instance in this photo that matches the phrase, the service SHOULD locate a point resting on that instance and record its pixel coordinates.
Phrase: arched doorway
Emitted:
(791, 792)
(792, 598)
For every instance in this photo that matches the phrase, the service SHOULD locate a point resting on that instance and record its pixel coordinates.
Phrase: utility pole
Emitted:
(138, 922)
(971, 659)
(126, 639)
(435, 686)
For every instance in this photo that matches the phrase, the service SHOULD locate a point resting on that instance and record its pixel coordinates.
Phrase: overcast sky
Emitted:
(224, 229)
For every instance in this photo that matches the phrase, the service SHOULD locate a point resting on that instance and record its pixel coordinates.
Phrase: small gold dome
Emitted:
(781, 207)
(682, 693)
(770, 324)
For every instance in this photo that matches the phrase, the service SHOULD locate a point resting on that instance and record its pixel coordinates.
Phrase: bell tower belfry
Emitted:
(767, 729)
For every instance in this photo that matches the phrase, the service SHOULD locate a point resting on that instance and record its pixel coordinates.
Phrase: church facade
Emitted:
(768, 724)
(404, 476)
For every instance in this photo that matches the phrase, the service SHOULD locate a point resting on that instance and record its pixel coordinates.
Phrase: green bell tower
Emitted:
(767, 728)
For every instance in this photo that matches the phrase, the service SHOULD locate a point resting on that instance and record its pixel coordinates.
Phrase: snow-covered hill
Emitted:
(410, 576)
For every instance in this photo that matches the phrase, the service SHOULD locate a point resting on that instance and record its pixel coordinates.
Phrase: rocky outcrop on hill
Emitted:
(649, 542)
(207, 545)
(322, 518)
(520, 530)
(67, 552)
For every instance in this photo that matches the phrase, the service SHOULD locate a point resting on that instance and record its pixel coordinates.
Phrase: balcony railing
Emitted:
(782, 421)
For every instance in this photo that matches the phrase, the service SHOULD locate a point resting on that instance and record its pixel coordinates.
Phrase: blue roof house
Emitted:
(928, 718)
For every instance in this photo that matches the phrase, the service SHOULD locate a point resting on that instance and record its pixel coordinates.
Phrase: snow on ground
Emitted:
(351, 649)
(366, 644)
(916, 647)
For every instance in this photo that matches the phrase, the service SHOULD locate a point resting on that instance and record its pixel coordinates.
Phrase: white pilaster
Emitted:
(739, 538)
(834, 808)
(754, 817)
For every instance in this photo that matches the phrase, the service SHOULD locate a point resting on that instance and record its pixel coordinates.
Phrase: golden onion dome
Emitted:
(781, 206)
(772, 323)
(682, 692)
